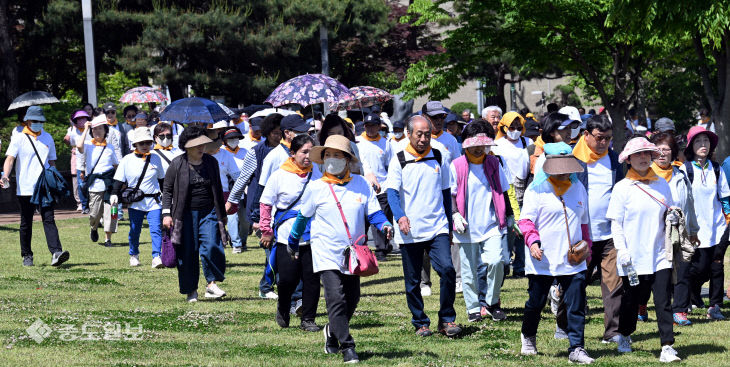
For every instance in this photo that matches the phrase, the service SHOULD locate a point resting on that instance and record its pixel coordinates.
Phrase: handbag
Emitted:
(358, 257)
(133, 195)
(577, 252)
(167, 252)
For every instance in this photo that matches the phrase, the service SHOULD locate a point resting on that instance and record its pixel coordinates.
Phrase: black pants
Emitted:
(707, 265)
(26, 227)
(659, 283)
(382, 245)
(681, 288)
(290, 273)
(342, 293)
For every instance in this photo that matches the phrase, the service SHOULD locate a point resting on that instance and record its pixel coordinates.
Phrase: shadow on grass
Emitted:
(67, 265)
(394, 354)
(9, 229)
(380, 281)
(242, 265)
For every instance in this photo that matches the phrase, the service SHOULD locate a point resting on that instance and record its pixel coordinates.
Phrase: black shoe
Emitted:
(28, 260)
(94, 235)
(475, 317)
(108, 243)
(349, 355)
(59, 258)
(331, 345)
(282, 318)
(518, 274)
(381, 257)
(309, 325)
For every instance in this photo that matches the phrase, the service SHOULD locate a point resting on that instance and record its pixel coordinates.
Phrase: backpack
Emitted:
(403, 162)
(690, 173)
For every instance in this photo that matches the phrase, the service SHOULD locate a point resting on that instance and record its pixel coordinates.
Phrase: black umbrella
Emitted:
(32, 98)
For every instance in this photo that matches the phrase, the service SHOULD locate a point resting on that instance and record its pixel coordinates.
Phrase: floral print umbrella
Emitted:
(364, 97)
(143, 95)
(307, 90)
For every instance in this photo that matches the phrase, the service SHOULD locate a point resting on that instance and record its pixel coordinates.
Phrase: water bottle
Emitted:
(631, 274)
(5, 184)
(115, 212)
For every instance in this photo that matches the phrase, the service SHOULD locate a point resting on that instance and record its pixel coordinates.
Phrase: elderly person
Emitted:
(193, 209)
(100, 165)
(492, 114)
(337, 204)
(638, 235)
(555, 210)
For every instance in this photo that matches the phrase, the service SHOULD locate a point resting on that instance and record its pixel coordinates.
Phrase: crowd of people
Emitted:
(475, 199)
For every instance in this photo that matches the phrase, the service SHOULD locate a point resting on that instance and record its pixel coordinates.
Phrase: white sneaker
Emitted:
(580, 356)
(624, 344)
(529, 345)
(237, 250)
(425, 291)
(669, 355)
(297, 308)
(458, 287)
(193, 297)
(268, 295)
(157, 263)
(213, 291)
(134, 260)
(554, 297)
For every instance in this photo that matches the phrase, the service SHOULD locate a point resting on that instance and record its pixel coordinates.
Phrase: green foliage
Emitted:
(458, 107)
(112, 86)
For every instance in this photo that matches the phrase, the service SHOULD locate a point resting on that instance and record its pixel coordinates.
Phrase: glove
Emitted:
(113, 200)
(459, 223)
(623, 257)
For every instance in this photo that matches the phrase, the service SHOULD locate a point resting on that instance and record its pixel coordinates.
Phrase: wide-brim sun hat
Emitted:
(560, 164)
(338, 142)
(80, 113)
(219, 125)
(34, 113)
(696, 130)
(200, 140)
(478, 140)
(638, 145)
(141, 134)
(98, 121)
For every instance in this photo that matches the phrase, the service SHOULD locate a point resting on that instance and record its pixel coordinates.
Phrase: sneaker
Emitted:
(237, 250)
(309, 325)
(668, 355)
(424, 331)
(554, 296)
(213, 291)
(381, 258)
(495, 312)
(694, 306)
(28, 260)
(79, 208)
(518, 274)
(560, 333)
(157, 263)
(282, 318)
(425, 291)
(458, 287)
(624, 345)
(613, 339)
(475, 317)
(85, 211)
(680, 318)
(580, 356)
(529, 345)
(349, 355)
(59, 258)
(713, 313)
(643, 314)
(268, 295)
(94, 235)
(449, 329)
(331, 345)
(193, 297)
(134, 260)
(297, 308)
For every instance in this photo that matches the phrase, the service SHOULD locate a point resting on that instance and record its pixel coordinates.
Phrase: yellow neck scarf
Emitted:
(474, 159)
(285, 143)
(410, 149)
(397, 140)
(650, 175)
(160, 147)
(113, 123)
(583, 152)
(560, 186)
(101, 143)
(677, 164)
(663, 173)
(436, 136)
(252, 137)
(290, 165)
(332, 179)
(365, 136)
(140, 154)
(234, 151)
(28, 131)
(539, 142)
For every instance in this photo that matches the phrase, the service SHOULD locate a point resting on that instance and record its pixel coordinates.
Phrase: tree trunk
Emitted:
(8, 63)
(501, 82)
(617, 114)
(177, 91)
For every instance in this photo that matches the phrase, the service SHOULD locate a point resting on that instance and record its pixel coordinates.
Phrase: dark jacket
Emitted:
(254, 189)
(616, 168)
(107, 177)
(175, 193)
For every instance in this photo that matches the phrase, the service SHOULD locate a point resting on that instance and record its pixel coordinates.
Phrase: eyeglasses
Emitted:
(665, 150)
(603, 138)
(165, 136)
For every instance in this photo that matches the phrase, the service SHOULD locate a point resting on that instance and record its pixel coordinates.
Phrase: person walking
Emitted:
(78, 122)
(164, 147)
(193, 209)
(639, 238)
(337, 205)
(555, 211)
(32, 151)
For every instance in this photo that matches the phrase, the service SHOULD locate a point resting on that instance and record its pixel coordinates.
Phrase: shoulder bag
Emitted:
(577, 252)
(358, 257)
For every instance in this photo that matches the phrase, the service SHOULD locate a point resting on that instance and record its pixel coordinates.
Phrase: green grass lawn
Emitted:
(98, 286)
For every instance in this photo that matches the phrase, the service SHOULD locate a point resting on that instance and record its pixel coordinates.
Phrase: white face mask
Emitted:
(398, 135)
(487, 149)
(334, 166)
(164, 142)
(514, 135)
(574, 133)
(232, 143)
(36, 126)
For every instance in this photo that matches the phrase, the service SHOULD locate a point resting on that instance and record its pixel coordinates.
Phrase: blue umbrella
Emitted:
(195, 109)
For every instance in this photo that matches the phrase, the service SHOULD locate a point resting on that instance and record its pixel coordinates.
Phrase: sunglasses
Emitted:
(165, 136)
(603, 138)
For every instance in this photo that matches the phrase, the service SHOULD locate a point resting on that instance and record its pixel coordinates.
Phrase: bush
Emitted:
(458, 107)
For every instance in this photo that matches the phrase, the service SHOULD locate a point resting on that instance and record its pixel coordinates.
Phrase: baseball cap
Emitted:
(453, 118)
(532, 128)
(399, 125)
(256, 123)
(433, 108)
(572, 113)
(372, 119)
(294, 122)
(664, 124)
(109, 106)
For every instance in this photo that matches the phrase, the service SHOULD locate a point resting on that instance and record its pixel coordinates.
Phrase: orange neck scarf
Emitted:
(474, 159)
(252, 137)
(332, 179)
(677, 164)
(539, 142)
(397, 140)
(650, 175)
(560, 186)
(583, 152)
(365, 136)
(101, 143)
(28, 131)
(140, 154)
(290, 165)
(663, 173)
(285, 143)
(410, 149)
(234, 151)
(436, 136)
(160, 147)
(113, 123)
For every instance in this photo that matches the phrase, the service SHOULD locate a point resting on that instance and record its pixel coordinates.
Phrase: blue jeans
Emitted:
(574, 296)
(492, 253)
(517, 247)
(264, 285)
(135, 228)
(201, 245)
(82, 198)
(439, 249)
(233, 230)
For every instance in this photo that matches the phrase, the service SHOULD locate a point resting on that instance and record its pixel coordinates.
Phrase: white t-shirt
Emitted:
(707, 208)
(238, 156)
(375, 156)
(177, 129)
(450, 143)
(545, 210)
(272, 162)
(228, 168)
(74, 134)
(106, 160)
(514, 157)
(435, 144)
(481, 217)
(27, 167)
(643, 225)
(248, 143)
(169, 154)
(281, 190)
(600, 184)
(328, 236)
(419, 186)
(129, 170)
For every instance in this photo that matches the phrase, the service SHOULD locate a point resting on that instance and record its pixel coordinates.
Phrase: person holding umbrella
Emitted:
(32, 151)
